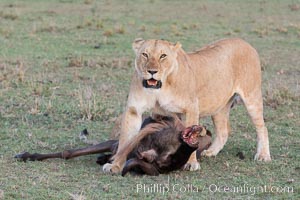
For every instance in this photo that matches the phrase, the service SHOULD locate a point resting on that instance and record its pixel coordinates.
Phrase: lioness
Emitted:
(197, 84)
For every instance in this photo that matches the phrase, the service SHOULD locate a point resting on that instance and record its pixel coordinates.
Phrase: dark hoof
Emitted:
(22, 156)
(124, 171)
(240, 155)
(103, 159)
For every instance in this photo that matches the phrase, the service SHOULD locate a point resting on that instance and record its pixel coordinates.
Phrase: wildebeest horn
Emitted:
(203, 132)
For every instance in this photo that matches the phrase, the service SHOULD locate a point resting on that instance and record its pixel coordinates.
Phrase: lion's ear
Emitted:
(136, 45)
(177, 46)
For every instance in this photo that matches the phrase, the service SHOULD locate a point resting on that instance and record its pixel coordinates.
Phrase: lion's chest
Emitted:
(170, 103)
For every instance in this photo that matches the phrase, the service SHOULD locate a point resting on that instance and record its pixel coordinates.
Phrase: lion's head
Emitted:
(155, 60)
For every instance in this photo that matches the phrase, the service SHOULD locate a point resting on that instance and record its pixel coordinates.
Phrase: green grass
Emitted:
(66, 65)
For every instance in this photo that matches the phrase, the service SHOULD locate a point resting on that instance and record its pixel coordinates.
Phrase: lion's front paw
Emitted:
(192, 166)
(262, 157)
(208, 153)
(111, 168)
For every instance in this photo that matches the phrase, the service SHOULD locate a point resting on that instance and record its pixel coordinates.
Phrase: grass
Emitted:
(66, 65)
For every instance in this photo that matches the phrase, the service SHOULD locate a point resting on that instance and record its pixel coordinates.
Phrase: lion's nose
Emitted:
(152, 72)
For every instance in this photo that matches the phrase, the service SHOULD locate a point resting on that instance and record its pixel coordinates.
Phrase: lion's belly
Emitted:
(210, 106)
(208, 101)
(215, 88)
(207, 106)
(215, 97)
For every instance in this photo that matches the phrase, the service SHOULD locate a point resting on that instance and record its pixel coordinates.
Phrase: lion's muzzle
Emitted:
(152, 83)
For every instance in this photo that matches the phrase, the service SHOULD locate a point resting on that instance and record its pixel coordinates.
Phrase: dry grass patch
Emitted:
(77, 61)
(120, 29)
(12, 72)
(279, 96)
(88, 103)
(9, 15)
(294, 7)
(108, 33)
(80, 61)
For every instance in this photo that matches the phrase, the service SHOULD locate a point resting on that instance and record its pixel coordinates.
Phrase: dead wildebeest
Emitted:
(163, 145)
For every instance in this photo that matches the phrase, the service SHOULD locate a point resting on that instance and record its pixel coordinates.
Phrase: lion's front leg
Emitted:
(131, 124)
(192, 118)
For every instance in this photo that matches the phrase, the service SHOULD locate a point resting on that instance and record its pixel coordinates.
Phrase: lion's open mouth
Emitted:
(152, 83)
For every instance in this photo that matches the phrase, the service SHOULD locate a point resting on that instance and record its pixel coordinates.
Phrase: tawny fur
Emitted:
(197, 84)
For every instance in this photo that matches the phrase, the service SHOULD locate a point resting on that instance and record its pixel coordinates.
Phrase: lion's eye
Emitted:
(163, 56)
(145, 55)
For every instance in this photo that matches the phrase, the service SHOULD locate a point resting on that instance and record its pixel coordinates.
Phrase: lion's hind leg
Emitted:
(254, 105)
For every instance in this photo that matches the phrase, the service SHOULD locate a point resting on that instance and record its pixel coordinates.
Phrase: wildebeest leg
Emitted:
(107, 146)
(147, 168)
